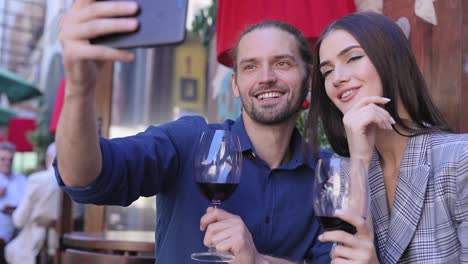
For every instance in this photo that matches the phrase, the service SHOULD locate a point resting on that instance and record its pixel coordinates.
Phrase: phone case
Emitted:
(160, 22)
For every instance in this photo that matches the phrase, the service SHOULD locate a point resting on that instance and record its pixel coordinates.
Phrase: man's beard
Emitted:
(277, 116)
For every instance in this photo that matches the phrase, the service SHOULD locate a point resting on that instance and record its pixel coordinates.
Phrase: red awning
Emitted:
(309, 16)
(17, 133)
(57, 106)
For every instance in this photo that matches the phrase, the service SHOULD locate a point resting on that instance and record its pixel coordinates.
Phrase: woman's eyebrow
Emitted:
(341, 53)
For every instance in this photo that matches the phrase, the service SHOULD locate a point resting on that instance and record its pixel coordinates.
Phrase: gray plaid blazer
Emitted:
(429, 219)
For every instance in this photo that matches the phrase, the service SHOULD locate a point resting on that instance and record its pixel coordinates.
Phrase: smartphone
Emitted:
(160, 22)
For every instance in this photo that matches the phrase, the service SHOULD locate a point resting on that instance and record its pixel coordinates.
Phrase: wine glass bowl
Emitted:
(217, 169)
(340, 184)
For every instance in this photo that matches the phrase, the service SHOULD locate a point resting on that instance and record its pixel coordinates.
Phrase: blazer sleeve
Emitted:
(461, 204)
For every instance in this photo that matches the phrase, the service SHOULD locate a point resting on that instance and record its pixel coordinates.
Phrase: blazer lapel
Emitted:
(409, 197)
(379, 207)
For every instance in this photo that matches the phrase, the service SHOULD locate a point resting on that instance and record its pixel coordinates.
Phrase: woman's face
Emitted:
(347, 70)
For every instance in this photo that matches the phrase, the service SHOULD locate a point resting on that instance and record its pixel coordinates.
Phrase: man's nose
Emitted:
(267, 75)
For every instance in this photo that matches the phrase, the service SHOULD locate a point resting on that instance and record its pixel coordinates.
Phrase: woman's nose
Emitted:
(340, 75)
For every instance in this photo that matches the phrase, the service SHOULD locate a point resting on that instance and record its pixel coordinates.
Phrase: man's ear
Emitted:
(234, 88)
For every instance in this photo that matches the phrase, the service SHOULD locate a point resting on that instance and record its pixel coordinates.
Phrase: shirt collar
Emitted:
(239, 128)
(297, 157)
(298, 154)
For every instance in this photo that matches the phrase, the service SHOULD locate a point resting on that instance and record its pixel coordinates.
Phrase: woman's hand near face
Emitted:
(357, 248)
(360, 123)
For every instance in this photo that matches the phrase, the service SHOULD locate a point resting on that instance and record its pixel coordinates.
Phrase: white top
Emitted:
(40, 200)
(16, 186)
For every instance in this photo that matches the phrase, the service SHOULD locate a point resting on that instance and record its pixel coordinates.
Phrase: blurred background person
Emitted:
(12, 186)
(40, 203)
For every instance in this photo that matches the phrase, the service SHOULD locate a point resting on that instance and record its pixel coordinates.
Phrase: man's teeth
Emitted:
(269, 95)
(347, 93)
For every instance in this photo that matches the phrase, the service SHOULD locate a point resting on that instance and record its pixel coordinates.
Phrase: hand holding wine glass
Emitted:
(228, 233)
(341, 202)
(217, 173)
(340, 184)
(352, 248)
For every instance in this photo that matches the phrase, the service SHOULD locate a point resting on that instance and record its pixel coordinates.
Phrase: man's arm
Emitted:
(79, 159)
(79, 156)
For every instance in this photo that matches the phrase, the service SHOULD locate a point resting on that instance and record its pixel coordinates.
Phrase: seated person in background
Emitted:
(12, 186)
(40, 200)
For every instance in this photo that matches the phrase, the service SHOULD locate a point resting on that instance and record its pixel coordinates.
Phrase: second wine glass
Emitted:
(340, 184)
(217, 173)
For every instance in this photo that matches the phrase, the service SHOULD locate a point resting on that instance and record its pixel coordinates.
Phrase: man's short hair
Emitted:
(5, 145)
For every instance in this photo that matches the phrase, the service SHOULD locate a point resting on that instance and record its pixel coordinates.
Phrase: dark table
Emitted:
(127, 242)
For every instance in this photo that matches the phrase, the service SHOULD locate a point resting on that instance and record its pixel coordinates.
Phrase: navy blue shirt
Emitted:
(275, 205)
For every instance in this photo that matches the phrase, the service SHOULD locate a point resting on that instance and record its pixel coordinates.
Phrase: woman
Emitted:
(374, 105)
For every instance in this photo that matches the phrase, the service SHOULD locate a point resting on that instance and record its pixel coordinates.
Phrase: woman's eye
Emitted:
(326, 73)
(355, 58)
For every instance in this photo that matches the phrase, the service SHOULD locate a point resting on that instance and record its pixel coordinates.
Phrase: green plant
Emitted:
(300, 123)
(203, 23)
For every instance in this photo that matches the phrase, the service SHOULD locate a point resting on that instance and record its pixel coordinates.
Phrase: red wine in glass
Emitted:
(340, 184)
(217, 174)
(331, 223)
(217, 191)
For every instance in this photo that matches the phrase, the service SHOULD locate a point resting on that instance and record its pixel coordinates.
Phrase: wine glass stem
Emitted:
(216, 203)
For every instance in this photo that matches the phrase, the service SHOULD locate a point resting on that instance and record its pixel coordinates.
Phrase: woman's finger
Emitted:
(338, 236)
(344, 252)
(354, 219)
(378, 100)
(360, 118)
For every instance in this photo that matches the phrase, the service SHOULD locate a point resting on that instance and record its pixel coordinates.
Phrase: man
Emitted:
(12, 186)
(270, 213)
(40, 200)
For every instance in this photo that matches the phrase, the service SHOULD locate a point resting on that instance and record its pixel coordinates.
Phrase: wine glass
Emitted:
(340, 184)
(217, 174)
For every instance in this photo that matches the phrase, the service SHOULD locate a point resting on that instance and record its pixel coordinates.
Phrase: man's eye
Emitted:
(283, 64)
(249, 67)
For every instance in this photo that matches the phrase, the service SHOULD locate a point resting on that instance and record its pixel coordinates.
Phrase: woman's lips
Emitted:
(348, 94)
